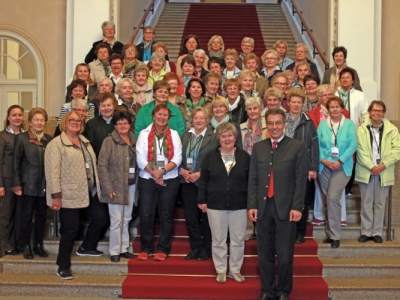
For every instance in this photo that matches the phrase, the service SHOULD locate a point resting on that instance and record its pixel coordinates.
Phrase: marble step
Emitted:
(352, 248)
(363, 288)
(80, 265)
(387, 267)
(350, 232)
(50, 285)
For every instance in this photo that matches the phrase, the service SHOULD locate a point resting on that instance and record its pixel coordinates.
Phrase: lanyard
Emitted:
(195, 145)
(335, 134)
(159, 145)
(373, 131)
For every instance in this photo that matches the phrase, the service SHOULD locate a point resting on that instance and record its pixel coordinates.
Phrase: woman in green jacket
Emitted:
(144, 117)
(378, 149)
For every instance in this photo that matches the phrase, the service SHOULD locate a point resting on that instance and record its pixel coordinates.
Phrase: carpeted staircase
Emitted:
(176, 278)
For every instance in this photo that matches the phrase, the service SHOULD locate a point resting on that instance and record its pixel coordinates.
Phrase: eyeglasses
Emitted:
(270, 58)
(116, 64)
(122, 124)
(148, 32)
(74, 121)
(280, 84)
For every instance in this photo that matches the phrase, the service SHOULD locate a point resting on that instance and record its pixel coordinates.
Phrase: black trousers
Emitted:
(69, 219)
(196, 221)
(27, 206)
(8, 204)
(310, 194)
(154, 196)
(275, 236)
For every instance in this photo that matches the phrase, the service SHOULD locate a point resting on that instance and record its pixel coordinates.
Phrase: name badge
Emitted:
(131, 170)
(377, 158)
(335, 152)
(160, 161)
(189, 163)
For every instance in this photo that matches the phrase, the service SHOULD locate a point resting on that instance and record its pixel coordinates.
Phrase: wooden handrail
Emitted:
(304, 27)
(142, 21)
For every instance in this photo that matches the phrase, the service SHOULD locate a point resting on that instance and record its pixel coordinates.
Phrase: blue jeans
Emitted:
(163, 198)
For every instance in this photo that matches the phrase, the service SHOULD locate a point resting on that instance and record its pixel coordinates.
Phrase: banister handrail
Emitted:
(304, 27)
(142, 21)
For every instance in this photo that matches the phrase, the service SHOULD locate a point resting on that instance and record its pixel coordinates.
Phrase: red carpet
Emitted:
(231, 21)
(176, 278)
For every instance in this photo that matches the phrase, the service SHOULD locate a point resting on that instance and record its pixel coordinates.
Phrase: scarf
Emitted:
(130, 66)
(345, 97)
(252, 137)
(218, 54)
(147, 50)
(311, 104)
(37, 136)
(110, 43)
(167, 146)
(334, 81)
(215, 123)
(140, 91)
(191, 106)
(185, 80)
(291, 125)
(106, 66)
(234, 105)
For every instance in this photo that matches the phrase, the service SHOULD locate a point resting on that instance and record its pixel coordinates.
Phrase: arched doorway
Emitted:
(21, 72)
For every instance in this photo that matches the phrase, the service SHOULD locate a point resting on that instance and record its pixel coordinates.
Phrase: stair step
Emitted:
(352, 248)
(80, 265)
(363, 288)
(350, 232)
(50, 285)
(387, 267)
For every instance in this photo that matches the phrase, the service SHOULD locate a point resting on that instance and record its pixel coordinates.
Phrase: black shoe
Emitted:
(300, 239)
(378, 239)
(265, 297)
(363, 238)
(327, 241)
(283, 297)
(348, 191)
(335, 244)
(83, 252)
(11, 252)
(192, 255)
(38, 249)
(203, 255)
(65, 274)
(114, 258)
(127, 255)
(28, 252)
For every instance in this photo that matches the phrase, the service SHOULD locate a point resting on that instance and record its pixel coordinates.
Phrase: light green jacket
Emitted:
(390, 153)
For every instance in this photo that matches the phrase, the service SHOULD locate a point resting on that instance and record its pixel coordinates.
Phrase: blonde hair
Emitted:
(296, 92)
(253, 100)
(263, 57)
(244, 73)
(304, 63)
(221, 129)
(301, 45)
(63, 123)
(278, 42)
(200, 109)
(273, 91)
(248, 40)
(231, 52)
(121, 82)
(212, 40)
(322, 89)
(158, 55)
(219, 100)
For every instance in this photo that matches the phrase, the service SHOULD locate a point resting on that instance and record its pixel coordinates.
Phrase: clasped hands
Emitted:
(294, 215)
(190, 177)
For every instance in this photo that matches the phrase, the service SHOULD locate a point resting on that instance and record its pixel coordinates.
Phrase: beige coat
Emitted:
(66, 172)
(114, 168)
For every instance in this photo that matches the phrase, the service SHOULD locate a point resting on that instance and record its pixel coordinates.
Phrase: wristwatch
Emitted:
(164, 171)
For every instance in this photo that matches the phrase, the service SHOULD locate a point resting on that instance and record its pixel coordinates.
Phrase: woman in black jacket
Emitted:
(29, 181)
(223, 195)
(300, 127)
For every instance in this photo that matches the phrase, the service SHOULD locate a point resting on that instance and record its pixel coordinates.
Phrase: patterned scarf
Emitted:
(167, 146)
(251, 137)
(106, 66)
(147, 50)
(130, 66)
(291, 125)
(219, 54)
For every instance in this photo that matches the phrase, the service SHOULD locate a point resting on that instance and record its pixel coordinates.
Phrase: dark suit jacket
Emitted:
(208, 143)
(313, 67)
(91, 56)
(140, 50)
(290, 176)
(6, 153)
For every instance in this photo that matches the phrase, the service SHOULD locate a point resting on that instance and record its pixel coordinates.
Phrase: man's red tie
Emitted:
(271, 177)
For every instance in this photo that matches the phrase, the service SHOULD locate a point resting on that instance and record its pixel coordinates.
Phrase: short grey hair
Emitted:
(302, 45)
(199, 51)
(107, 23)
(221, 129)
(149, 27)
(159, 55)
(79, 102)
(104, 78)
(253, 100)
(121, 82)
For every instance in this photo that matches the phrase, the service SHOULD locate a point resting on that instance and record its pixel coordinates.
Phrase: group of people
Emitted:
(250, 148)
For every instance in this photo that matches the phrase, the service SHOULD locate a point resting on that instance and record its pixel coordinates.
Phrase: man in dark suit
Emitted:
(277, 180)
(301, 51)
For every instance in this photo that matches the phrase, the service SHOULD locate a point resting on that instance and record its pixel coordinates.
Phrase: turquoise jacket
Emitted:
(346, 142)
(390, 152)
(144, 118)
